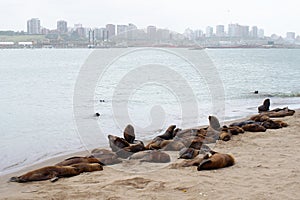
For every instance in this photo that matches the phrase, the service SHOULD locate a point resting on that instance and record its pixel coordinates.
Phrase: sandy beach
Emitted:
(267, 167)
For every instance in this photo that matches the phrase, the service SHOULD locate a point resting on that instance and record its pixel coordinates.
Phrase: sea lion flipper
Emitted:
(54, 179)
(14, 179)
(205, 161)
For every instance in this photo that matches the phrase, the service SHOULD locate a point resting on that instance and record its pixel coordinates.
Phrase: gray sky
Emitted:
(275, 16)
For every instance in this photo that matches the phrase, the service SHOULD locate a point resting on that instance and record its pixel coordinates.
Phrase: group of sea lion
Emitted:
(192, 145)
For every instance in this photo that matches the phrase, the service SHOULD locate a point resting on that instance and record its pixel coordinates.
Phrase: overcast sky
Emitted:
(275, 16)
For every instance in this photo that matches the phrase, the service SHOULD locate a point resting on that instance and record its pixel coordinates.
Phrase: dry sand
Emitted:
(267, 167)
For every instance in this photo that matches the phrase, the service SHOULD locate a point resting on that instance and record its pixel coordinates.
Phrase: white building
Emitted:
(209, 31)
(33, 26)
(220, 31)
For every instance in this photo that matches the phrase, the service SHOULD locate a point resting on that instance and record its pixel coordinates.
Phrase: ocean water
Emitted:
(149, 88)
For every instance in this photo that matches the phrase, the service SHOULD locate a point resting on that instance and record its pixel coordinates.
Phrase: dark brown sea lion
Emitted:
(152, 156)
(75, 160)
(254, 128)
(216, 161)
(116, 143)
(265, 107)
(270, 124)
(129, 134)
(240, 124)
(136, 147)
(188, 153)
(169, 134)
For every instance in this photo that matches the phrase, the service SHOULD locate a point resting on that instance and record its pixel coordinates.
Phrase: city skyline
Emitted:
(220, 30)
(275, 17)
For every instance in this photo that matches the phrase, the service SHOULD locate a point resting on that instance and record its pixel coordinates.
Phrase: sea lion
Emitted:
(172, 145)
(169, 134)
(116, 143)
(254, 128)
(152, 156)
(282, 124)
(56, 172)
(225, 136)
(188, 153)
(136, 147)
(214, 127)
(97, 114)
(234, 130)
(47, 173)
(240, 124)
(216, 161)
(106, 157)
(270, 124)
(77, 159)
(129, 134)
(260, 118)
(265, 107)
(87, 167)
(280, 112)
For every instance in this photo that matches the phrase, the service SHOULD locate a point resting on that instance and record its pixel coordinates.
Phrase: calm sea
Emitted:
(37, 88)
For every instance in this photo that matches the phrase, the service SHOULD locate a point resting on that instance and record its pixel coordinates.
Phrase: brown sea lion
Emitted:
(56, 172)
(280, 112)
(151, 156)
(216, 161)
(260, 118)
(87, 167)
(265, 107)
(116, 143)
(47, 173)
(282, 124)
(129, 134)
(225, 136)
(254, 128)
(75, 160)
(136, 147)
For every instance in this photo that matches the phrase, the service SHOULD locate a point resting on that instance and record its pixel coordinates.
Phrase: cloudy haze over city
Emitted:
(274, 16)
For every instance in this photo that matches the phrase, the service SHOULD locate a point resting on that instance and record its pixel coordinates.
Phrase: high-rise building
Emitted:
(254, 32)
(62, 26)
(122, 31)
(101, 34)
(33, 26)
(163, 34)
(261, 33)
(132, 32)
(209, 31)
(220, 31)
(236, 30)
(290, 35)
(151, 33)
(111, 28)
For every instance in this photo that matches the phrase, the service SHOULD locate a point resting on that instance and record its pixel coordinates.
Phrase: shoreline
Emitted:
(266, 168)
(60, 157)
